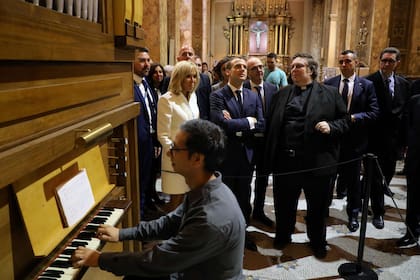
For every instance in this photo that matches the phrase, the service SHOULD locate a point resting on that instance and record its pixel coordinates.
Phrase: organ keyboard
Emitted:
(60, 266)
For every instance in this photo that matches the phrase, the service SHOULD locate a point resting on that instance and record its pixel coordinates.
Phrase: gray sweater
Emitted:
(204, 239)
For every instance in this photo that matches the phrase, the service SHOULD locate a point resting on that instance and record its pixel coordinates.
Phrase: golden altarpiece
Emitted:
(258, 27)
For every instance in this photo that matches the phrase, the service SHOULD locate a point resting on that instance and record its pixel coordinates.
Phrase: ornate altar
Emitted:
(258, 27)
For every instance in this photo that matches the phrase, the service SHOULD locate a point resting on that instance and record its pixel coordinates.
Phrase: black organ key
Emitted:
(104, 213)
(68, 251)
(61, 264)
(78, 243)
(98, 220)
(86, 235)
(92, 227)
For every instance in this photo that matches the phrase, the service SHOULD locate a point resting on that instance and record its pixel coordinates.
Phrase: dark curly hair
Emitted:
(206, 138)
(312, 63)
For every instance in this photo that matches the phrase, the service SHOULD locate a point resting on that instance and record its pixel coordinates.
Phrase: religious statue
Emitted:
(258, 29)
(363, 33)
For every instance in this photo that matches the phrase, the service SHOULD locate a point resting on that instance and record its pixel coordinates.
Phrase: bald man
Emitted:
(265, 92)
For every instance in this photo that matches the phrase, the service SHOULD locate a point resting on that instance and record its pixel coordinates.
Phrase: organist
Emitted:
(204, 237)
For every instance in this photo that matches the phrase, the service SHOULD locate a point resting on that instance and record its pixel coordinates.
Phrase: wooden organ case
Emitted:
(65, 105)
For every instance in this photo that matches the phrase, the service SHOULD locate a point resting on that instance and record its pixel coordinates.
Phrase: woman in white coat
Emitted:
(176, 106)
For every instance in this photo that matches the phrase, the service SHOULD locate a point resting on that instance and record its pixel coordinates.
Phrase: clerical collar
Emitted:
(305, 87)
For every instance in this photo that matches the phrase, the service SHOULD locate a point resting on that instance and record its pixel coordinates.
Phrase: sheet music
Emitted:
(75, 198)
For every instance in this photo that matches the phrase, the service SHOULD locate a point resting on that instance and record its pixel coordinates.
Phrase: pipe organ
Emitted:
(66, 107)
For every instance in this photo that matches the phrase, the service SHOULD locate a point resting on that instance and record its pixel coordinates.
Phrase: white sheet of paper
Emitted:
(76, 197)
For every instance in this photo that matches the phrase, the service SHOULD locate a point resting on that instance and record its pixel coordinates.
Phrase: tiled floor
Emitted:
(297, 262)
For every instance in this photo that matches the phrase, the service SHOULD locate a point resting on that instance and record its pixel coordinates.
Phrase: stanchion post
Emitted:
(358, 270)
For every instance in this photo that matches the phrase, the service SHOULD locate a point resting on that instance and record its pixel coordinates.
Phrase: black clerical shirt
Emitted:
(294, 119)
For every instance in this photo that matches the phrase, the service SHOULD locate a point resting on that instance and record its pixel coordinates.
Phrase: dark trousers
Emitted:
(261, 180)
(287, 189)
(237, 175)
(146, 171)
(387, 164)
(412, 218)
(349, 177)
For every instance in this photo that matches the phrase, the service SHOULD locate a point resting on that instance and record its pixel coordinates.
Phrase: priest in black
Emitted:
(304, 124)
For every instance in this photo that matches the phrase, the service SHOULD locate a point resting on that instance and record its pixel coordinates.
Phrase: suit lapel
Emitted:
(357, 91)
(281, 102)
(143, 103)
(397, 100)
(313, 101)
(231, 102)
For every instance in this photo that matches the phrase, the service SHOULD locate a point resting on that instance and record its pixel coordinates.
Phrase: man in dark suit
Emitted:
(359, 96)
(386, 138)
(265, 92)
(412, 165)
(239, 112)
(149, 146)
(204, 88)
(304, 124)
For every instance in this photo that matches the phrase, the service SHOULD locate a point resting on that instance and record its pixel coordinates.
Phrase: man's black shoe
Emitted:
(341, 195)
(151, 205)
(250, 244)
(262, 218)
(406, 242)
(353, 224)
(157, 200)
(378, 222)
(281, 244)
(319, 251)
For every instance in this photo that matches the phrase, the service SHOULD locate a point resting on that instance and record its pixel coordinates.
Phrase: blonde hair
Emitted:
(181, 70)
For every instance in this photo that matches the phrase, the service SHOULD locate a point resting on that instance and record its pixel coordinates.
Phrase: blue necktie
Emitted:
(239, 99)
(151, 105)
(258, 88)
(345, 91)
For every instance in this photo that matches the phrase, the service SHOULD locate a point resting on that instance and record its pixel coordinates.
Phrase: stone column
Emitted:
(183, 32)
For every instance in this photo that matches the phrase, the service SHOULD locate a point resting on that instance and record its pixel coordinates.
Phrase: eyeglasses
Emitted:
(172, 148)
(390, 61)
(256, 68)
(297, 66)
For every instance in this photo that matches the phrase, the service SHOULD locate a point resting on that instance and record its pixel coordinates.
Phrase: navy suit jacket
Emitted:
(389, 133)
(364, 107)
(320, 150)
(237, 128)
(269, 91)
(203, 94)
(143, 127)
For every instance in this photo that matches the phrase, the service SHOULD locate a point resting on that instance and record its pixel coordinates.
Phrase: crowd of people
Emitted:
(206, 132)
